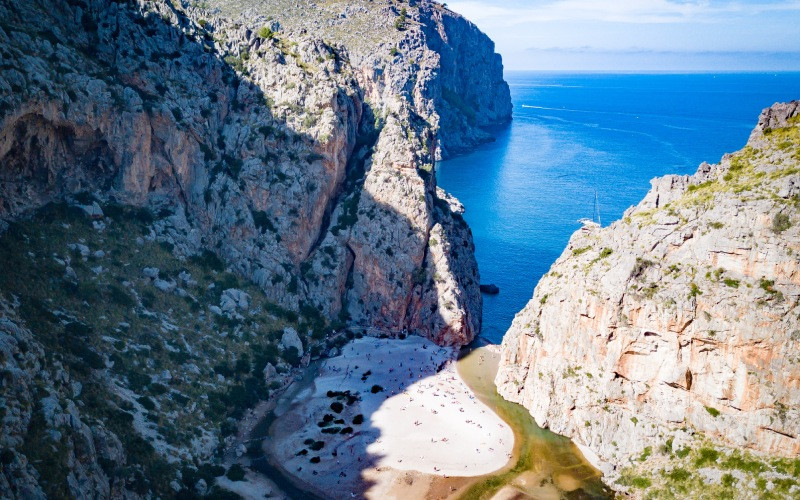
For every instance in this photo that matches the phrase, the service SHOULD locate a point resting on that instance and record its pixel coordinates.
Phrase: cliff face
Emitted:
(300, 155)
(278, 173)
(418, 51)
(679, 320)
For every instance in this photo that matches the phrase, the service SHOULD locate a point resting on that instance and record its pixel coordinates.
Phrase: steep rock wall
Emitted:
(419, 51)
(682, 318)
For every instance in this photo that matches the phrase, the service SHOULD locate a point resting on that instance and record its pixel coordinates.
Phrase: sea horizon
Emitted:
(650, 72)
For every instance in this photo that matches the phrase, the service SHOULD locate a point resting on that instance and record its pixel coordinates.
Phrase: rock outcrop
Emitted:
(418, 51)
(680, 319)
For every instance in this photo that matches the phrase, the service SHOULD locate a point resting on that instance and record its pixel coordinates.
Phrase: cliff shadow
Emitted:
(138, 112)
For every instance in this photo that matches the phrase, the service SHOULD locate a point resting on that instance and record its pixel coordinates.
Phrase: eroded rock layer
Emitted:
(680, 319)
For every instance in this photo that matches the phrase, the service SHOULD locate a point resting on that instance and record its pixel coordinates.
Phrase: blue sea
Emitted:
(576, 134)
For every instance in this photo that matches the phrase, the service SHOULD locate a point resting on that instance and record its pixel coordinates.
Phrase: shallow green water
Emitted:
(545, 465)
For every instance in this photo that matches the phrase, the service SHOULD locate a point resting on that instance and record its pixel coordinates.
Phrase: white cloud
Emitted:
(616, 11)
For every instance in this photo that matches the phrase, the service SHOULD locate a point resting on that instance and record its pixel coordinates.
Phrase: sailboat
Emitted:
(592, 223)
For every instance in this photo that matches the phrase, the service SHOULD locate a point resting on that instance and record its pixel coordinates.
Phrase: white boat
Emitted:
(592, 223)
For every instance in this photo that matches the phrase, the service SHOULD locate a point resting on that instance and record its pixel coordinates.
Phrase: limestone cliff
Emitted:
(193, 196)
(300, 155)
(679, 321)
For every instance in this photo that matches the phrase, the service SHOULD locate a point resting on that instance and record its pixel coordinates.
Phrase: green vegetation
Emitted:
(679, 474)
(604, 253)
(695, 187)
(455, 100)
(712, 411)
(638, 268)
(237, 63)
(111, 318)
(400, 22)
(579, 251)
(236, 473)
(176, 112)
(728, 480)
(50, 458)
(706, 456)
(769, 287)
(731, 282)
(266, 33)
(679, 477)
(781, 223)
(262, 221)
(419, 276)
(650, 291)
(638, 482)
(349, 214)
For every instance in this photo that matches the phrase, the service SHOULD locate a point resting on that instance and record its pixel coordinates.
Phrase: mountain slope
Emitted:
(276, 151)
(194, 202)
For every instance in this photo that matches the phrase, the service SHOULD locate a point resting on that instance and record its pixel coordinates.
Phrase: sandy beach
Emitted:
(384, 412)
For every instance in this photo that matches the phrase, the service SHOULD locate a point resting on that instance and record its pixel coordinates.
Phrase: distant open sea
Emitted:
(573, 134)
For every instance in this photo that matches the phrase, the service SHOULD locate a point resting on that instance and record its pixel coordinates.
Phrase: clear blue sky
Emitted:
(641, 35)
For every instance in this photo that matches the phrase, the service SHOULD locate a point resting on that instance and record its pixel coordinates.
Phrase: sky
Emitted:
(641, 35)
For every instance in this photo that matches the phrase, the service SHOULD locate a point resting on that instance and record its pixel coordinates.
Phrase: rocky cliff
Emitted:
(677, 328)
(196, 195)
(300, 159)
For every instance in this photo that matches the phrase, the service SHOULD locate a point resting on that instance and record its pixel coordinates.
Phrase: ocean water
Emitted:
(576, 134)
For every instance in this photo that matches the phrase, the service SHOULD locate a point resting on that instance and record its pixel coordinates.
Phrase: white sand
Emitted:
(425, 420)
(436, 425)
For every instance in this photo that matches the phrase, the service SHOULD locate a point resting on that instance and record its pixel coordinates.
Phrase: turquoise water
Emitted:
(573, 134)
